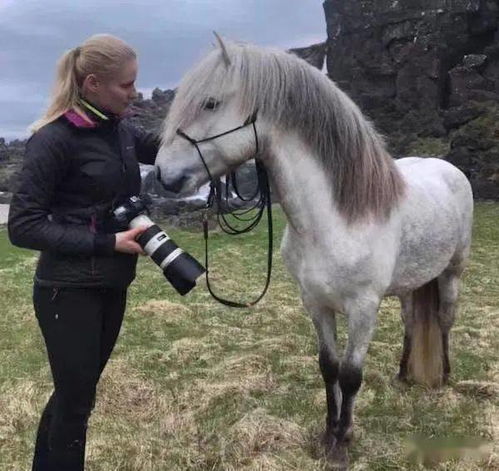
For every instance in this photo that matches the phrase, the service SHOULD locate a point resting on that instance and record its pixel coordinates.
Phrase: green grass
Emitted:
(193, 385)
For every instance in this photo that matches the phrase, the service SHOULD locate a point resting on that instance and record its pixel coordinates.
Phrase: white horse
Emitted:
(361, 225)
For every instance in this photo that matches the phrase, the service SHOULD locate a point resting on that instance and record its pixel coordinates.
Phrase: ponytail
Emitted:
(100, 54)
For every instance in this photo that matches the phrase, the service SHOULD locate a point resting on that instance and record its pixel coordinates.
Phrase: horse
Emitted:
(360, 224)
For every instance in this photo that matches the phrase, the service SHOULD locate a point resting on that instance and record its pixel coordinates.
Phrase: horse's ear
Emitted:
(225, 54)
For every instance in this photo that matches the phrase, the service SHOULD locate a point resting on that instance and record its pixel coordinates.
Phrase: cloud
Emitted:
(170, 36)
(15, 132)
(25, 92)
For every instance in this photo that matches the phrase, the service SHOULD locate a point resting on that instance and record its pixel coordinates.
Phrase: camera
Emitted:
(179, 268)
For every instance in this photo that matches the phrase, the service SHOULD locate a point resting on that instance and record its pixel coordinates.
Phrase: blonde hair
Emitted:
(101, 54)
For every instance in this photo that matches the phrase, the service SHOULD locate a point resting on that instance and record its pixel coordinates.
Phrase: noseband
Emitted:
(250, 120)
(264, 201)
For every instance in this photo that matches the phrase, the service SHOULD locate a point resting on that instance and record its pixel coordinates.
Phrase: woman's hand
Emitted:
(125, 241)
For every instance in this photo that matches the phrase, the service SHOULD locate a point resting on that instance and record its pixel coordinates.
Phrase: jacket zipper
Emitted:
(55, 293)
(93, 229)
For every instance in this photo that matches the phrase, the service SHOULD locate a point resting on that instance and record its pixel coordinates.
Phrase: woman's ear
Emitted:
(90, 84)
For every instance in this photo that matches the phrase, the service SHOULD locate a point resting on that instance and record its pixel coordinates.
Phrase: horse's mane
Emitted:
(290, 93)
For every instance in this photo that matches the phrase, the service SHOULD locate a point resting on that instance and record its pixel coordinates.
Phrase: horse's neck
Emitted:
(302, 185)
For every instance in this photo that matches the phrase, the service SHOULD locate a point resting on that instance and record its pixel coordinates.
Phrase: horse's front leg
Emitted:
(325, 325)
(361, 324)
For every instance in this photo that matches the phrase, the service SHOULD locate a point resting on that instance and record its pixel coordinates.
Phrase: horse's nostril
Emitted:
(177, 185)
(173, 185)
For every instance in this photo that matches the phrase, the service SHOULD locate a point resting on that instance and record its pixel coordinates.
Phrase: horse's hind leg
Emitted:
(448, 288)
(325, 325)
(407, 318)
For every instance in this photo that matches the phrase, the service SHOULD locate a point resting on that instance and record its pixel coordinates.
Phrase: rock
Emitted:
(475, 149)
(314, 55)
(149, 114)
(4, 150)
(459, 115)
(420, 69)
(162, 97)
(467, 84)
(474, 61)
(5, 197)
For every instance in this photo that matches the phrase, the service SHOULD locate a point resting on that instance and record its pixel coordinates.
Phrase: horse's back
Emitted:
(438, 188)
(437, 177)
(438, 171)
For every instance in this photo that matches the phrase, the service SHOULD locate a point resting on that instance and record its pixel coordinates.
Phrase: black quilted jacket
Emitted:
(72, 177)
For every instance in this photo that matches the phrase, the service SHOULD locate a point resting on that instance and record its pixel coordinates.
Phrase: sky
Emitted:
(169, 36)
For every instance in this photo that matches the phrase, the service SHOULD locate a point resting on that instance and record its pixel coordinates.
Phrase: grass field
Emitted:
(193, 385)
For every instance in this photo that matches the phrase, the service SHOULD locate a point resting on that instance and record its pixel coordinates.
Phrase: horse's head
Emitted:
(208, 103)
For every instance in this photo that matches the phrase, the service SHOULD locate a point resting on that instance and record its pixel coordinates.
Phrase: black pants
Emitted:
(80, 327)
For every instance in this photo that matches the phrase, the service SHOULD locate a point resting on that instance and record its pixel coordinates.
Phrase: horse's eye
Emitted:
(211, 104)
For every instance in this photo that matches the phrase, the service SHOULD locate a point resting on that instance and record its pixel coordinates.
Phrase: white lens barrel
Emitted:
(176, 253)
(157, 241)
(141, 221)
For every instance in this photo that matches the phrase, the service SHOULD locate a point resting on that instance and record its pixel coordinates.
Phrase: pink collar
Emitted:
(76, 120)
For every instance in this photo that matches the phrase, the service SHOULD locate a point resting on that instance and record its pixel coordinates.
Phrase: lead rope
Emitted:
(215, 196)
(264, 202)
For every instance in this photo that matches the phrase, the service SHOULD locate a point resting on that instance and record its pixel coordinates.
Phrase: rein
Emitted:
(262, 192)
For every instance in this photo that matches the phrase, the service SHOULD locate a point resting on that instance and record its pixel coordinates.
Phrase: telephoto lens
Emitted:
(180, 269)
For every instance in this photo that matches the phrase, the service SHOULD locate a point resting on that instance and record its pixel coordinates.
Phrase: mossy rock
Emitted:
(475, 149)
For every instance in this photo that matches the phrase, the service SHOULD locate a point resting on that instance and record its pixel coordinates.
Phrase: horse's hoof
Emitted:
(346, 437)
(402, 380)
(402, 377)
(328, 440)
(337, 457)
(320, 442)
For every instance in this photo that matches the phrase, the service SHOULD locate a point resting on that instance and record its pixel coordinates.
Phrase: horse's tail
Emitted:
(425, 363)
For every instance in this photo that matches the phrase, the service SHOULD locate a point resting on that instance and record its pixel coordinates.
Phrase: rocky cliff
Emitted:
(427, 73)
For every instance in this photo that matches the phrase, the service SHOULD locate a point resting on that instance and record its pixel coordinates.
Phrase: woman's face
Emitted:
(114, 93)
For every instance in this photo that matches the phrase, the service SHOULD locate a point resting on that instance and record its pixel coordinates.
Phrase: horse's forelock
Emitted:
(194, 89)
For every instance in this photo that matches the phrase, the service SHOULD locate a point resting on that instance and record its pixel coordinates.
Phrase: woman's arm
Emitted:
(44, 168)
(146, 146)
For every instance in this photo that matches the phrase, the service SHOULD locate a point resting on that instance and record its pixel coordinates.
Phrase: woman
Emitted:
(80, 163)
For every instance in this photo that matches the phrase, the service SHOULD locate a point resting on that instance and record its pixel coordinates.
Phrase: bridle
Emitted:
(249, 120)
(263, 200)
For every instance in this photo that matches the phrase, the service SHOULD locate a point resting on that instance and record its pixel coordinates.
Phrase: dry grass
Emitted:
(196, 386)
